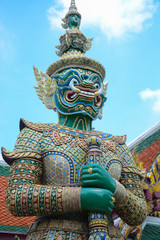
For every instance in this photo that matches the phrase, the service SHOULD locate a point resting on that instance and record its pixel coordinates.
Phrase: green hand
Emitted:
(97, 200)
(99, 178)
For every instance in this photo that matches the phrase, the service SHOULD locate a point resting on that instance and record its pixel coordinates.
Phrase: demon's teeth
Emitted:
(74, 95)
(96, 99)
(87, 93)
(92, 94)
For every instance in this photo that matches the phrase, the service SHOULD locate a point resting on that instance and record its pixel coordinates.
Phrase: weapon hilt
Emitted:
(94, 153)
(98, 222)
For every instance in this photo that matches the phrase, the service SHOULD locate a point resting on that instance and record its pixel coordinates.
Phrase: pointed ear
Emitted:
(100, 113)
(105, 88)
(64, 23)
(40, 76)
(46, 88)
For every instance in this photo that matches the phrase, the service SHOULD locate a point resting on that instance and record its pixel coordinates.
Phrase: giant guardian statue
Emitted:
(71, 177)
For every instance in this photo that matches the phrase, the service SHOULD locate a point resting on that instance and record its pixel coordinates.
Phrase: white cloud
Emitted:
(154, 95)
(116, 18)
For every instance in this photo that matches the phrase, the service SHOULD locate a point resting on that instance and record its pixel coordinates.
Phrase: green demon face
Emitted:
(74, 21)
(79, 91)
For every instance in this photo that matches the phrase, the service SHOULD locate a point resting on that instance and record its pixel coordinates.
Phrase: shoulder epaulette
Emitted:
(110, 141)
(119, 139)
(10, 157)
(39, 127)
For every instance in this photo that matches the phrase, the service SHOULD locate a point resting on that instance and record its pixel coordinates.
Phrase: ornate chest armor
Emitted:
(55, 154)
(65, 156)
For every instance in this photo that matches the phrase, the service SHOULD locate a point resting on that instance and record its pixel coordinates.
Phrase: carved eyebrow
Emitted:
(66, 76)
(96, 78)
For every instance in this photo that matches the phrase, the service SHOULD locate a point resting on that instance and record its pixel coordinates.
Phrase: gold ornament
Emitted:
(90, 170)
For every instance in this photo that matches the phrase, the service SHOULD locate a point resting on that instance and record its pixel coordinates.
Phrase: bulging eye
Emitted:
(96, 85)
(74, 81)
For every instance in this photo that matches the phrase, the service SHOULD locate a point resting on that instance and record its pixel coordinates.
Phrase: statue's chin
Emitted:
(77, 105)
(77, 109)
(91, 113)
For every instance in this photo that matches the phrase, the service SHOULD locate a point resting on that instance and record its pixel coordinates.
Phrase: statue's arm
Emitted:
(130, 202)
(26, 196)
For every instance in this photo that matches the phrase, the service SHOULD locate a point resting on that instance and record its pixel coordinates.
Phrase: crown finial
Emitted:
(73, 5)
(73, 46)
(72, 11)
(73, 42)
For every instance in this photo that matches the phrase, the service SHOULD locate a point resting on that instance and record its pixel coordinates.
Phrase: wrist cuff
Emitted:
(120, 192)
(71, 201)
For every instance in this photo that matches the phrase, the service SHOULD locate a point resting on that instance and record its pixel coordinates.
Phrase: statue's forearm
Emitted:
(132, 209)
(26, 196)
(34, 200)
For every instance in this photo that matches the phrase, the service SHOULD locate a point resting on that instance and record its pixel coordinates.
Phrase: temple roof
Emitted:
(147, 145)
(151, 232)
(149, 132)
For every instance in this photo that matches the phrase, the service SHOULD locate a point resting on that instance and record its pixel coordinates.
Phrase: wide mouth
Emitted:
(71, 96)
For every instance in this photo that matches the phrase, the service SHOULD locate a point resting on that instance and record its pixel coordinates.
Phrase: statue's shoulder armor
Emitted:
(28, 144)
(124, 155)
(117, 144)
(116, 139)
(111, 142)
(119, 139)
(38, 127)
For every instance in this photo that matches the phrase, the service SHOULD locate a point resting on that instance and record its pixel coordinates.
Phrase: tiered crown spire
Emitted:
(73, 5)
(73, 46)
(72, 11)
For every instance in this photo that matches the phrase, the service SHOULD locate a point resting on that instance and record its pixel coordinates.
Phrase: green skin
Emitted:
(74, 21)
(78, 111)
(72, 121)
(97, 188)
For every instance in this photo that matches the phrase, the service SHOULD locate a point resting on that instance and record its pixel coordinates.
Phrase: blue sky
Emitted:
(126, 41)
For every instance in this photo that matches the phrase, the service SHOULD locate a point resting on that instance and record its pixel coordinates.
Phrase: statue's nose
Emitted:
(86, 81)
